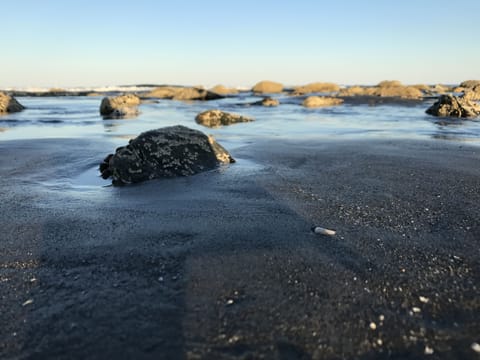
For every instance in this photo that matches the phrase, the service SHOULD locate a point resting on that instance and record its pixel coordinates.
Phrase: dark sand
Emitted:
(223, 265)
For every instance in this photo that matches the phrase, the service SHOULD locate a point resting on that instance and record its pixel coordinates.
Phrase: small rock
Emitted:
(373, 326)
(475, 347)
(217, 118)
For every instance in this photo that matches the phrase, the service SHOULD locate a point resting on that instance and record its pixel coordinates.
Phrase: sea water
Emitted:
(79, 117)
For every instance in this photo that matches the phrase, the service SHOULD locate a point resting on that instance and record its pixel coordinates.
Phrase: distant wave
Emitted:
(99, 89)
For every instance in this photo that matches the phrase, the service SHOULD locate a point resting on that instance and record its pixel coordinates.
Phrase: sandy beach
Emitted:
(224, 265)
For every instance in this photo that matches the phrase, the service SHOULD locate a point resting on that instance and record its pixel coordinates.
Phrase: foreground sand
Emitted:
(224, 265)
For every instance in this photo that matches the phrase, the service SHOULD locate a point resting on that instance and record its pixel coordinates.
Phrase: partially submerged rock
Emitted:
(120, 106)
(315, 88)
(222, 90)
(164, 153)
(183, 93)
(267, 102)
(454, 106)
(318, 101)
(9, 104)
(267, 87)
(216, 118)
(404, 92)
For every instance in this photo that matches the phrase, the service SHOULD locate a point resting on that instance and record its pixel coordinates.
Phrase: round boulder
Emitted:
(120, 106)
(9, 104)
(222, 90)
(164, 153)
(267, 87)
(217, 118)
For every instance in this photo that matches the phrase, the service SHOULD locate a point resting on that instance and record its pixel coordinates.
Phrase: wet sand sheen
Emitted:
(224, 264)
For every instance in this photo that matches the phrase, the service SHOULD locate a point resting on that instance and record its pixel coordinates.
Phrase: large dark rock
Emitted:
(120, 106)
(9, 104)
(217, 118)
(164, 153)
(454, 106)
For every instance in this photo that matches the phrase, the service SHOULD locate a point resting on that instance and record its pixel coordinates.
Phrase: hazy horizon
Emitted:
(90, 44)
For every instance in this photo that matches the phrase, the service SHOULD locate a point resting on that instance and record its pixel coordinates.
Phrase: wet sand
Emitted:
(223, 265)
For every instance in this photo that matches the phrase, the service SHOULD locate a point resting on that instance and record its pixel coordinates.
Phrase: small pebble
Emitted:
(229, 301)
(416, 309)
(428, 350)
(476, 347)
(323, 231)
(424, 299)
(373, 326)
(381, 317)
(28, 302)
(379, 342)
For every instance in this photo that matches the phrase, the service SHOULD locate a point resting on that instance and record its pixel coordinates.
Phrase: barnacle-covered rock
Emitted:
(164, 153)
(454, 106)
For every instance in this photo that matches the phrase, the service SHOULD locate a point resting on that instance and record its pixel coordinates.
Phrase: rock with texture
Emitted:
(318, 101)
(217, 118)
(9, 104)
(183, 93)
(454, 106)
(120, 106)
(470, 84)
(222, 90)
(267, 87)
(316, 87)
(404, 92)
(164, 153)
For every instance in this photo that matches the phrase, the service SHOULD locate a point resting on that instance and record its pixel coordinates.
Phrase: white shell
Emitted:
(323, 231)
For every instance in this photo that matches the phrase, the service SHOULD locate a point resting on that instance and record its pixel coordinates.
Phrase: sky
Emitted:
(60, 43)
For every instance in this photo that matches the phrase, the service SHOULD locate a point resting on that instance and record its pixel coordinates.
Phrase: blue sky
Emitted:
(94, 43)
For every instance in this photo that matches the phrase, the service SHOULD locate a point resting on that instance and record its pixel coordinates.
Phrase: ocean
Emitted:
(79, 117)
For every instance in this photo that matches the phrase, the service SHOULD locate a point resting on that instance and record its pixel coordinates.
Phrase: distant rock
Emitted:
(318, 101)
(120, 106)
(164, 153)
(267, 87)
(267, 102)
(9, 104)
(270, 102)
(217, 118)
(472, 93)
(389, 83)
(454, 106)
(470, 84)
(183, 93)
(222, 90)
(404, 92)
(315, 88)
(357, 91)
